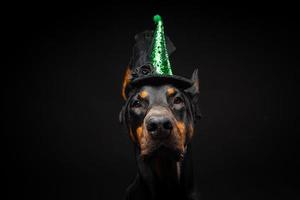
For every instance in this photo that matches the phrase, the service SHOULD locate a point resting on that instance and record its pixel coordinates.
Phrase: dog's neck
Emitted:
(166, 174)
(165, 178)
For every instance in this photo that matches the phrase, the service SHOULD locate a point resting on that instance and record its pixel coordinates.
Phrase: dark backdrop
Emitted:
(62, 97)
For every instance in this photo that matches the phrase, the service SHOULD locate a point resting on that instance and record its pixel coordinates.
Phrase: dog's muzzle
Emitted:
(158, 122)
(159, 126)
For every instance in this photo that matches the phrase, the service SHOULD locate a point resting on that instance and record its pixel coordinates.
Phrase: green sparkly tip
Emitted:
(159, 53)
(156, 18)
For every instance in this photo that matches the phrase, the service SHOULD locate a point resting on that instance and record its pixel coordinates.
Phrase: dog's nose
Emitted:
(159, 127)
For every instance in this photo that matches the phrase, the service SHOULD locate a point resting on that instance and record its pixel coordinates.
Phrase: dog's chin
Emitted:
(164, 152)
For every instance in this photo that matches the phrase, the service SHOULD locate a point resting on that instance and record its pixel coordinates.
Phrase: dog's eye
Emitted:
(136, 104)
(178, 100)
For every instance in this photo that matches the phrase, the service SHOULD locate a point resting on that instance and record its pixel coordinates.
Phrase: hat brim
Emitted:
(155, 80)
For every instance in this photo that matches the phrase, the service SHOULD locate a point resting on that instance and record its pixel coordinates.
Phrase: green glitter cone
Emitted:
(159, 54)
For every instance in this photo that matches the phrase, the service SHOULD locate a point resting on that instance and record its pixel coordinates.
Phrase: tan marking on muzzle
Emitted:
(182, 133)
(143, 140)
(139, 132)
(181, 127)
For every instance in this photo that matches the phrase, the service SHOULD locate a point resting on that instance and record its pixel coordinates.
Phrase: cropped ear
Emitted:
(193, 92)
(194, 89)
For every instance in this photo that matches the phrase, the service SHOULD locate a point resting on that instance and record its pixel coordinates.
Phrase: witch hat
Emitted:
(150, 62)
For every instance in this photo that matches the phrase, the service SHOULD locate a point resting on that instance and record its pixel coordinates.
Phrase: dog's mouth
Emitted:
(164, 151)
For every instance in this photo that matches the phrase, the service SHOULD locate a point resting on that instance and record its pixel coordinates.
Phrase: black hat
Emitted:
(150, 63)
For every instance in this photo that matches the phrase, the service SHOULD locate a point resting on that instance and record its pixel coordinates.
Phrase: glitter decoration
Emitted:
(159, 54)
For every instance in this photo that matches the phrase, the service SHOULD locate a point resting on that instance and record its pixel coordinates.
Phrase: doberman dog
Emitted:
(160, 121)
(159, 113)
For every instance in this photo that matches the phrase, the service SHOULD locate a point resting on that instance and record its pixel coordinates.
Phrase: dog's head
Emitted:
(160, 117)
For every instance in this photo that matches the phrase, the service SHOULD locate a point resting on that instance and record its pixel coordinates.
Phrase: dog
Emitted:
(160, 112)
(160, 120)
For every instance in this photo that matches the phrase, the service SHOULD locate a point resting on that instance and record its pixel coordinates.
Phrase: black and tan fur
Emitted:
(160, 120)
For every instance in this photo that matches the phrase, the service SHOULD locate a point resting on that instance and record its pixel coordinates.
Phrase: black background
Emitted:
(62, 97)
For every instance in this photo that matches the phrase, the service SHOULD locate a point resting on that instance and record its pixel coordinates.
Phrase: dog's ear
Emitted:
(121, 115)
(193, 92)
(126, 81)
(194, 89)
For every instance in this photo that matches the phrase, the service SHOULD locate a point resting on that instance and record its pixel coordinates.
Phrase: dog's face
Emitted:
(160, 119)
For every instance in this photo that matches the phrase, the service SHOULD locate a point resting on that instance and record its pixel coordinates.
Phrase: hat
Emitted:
(150, 64)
